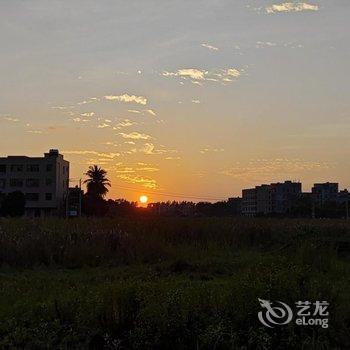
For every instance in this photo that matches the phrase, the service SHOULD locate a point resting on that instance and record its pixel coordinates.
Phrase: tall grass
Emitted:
(169, 283)
(74, 243)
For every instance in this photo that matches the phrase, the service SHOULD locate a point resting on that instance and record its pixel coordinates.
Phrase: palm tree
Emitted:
(97, 181)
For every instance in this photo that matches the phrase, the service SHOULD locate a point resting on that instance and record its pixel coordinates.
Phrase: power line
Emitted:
(169, 194)
(163, 194)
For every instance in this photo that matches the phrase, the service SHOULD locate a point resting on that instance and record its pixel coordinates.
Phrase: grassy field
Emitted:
(170, 283)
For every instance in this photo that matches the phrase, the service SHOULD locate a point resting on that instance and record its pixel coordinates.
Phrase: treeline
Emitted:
(95, 204)
(122, 207)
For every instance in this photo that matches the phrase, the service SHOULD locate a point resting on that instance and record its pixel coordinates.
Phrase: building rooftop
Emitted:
(51, 153)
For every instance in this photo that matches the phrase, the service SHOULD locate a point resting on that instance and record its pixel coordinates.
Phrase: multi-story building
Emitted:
(264, 199)
(43, 180)
(249, 202)
(276, 198)
(325, 192)
(284, 196)
(344, 197)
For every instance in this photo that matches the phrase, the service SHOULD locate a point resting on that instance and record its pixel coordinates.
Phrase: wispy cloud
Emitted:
(135, 136)
(78, 120)
(125, 170)
(270, 44)
(61, 108)
(127, 98)
(103, 126)
(90, 100)
(101, 161)
(36, 132)
(139, 180)
(94, 153)
(264, 44)
(198, 76)
(231, 72)
(151, 112)
(150, 148)
(144, 111)
(210, 47)
(267, 169)
(291, 7)
(10, 119)
(208, 150)
(124, 123)
(87, 114)
(139, 167)
(193, 73)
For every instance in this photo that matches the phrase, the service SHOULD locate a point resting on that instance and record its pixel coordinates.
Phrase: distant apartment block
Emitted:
(249, 202)
(43, 180)
(344, 197)
(284, 196)
(275, 198)
(325, 192)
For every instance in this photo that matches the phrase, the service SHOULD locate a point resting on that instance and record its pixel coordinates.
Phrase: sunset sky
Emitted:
(190, 98)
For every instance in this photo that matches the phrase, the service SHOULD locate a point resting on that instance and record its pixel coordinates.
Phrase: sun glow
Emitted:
(143, 199)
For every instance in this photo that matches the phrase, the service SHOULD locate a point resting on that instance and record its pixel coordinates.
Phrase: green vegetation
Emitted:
(170, 283)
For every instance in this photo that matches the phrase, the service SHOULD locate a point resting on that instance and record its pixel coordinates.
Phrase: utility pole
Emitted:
(79, 197)
(313, 215)
(67, 202)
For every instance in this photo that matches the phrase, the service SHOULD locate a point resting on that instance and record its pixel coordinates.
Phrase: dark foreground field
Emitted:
(170, 283)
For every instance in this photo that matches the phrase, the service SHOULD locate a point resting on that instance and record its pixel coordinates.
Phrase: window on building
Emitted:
(16, 183)
(2, 183)
(48, 196)
(33, 168)
(48, 181)
(32, 197)
(32, 182)
(16, 168)
(49, 167)
(2, 168)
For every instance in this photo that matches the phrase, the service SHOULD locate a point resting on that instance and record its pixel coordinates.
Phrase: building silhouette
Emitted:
(343, 196)
(249, 202)
(287, 199)
(43, 180)
(74, 201)
(325, 192)
(275, 198)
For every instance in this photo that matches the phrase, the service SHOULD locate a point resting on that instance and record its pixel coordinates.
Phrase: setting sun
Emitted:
(143, 199)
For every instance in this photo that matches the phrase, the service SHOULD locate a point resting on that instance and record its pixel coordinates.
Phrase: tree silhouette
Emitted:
(97, 182)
